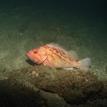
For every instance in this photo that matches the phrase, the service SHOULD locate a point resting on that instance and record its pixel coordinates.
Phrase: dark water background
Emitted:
(79, 25)
(74, 24)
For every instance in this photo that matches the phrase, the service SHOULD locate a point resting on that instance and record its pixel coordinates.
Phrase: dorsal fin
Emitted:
(73, 54)
(70, 53)
(57, 46)
(54, 45)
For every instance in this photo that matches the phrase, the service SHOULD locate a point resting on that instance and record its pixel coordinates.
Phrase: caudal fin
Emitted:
(85, 64)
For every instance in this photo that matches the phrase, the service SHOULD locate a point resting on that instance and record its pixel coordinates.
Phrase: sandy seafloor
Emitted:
(23, 28)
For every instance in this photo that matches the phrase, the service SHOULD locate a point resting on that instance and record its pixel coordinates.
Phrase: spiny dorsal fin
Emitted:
(73, 54)
(70, 53)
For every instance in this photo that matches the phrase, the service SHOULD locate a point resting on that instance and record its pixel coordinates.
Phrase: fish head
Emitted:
(37, 55)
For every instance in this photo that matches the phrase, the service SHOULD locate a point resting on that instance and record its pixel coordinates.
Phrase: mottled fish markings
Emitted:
(56, 52)
(55, 56)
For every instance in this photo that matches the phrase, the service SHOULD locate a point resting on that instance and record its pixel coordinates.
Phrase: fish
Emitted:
(55, 56)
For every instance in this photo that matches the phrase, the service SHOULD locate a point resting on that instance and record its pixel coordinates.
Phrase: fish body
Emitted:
(53, 55)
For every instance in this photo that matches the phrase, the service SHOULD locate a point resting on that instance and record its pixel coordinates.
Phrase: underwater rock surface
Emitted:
(64, 83)
(14, 94)
(47, 87)
(74, 86)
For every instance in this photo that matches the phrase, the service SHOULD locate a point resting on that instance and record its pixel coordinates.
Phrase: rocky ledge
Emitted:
(48, 87)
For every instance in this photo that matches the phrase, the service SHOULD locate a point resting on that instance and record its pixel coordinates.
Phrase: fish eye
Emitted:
(35, 52)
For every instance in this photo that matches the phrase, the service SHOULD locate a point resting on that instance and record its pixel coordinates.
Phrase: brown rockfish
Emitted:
(53, 55)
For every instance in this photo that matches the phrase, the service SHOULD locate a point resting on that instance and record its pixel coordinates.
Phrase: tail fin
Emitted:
(85, 64)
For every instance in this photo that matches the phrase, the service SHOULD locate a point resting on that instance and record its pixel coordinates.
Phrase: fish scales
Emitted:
(59, 53)
(53, 55)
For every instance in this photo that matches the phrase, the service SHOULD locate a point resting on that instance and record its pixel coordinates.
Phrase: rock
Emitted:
(74, 86)
(53, 100)
(14, 94)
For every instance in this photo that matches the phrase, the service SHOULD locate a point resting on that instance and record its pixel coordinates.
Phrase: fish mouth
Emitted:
(30, 58)
(30, 62)
(35, 61)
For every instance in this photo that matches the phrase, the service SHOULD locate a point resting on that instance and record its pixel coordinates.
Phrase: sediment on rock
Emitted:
(74, 86)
